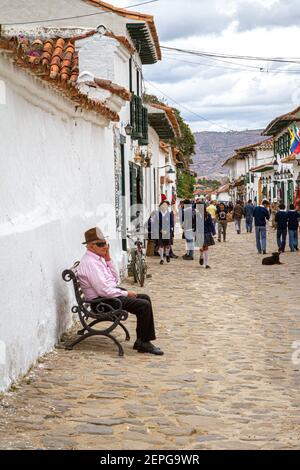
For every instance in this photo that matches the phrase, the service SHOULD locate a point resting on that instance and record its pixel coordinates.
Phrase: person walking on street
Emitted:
(261, 215)
(205, 230)
(281, 219)
(187, 225)
(165, 230)
(274, 210)
(222, 221)
(293, 226)
(212, 210)
(248, 213)
(238, 213)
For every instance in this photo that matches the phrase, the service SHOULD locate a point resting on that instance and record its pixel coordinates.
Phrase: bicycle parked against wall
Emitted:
(137, 266)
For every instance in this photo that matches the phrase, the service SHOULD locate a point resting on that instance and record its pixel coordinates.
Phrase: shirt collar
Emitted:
(93, 255)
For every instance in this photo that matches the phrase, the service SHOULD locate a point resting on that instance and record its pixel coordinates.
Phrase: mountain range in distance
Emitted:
(213, 148)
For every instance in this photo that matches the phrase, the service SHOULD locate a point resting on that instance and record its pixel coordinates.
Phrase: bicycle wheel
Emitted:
(139, 269)
(132, 268)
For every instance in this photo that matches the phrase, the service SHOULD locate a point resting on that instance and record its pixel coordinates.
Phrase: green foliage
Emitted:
(186, 143)
(185, 184)
(213, 184)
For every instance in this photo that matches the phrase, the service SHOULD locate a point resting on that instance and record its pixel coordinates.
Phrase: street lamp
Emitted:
(170, 170)
(128, 129)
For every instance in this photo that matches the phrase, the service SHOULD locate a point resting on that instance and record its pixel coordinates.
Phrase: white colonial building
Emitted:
(286, 186)
(246, 169)
(75, 151)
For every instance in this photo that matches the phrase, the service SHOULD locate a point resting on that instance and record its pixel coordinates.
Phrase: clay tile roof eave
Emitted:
(66, 88)
(122, 40)
(114, 88)
(267, 142)
(171, 115)
(149, 19)
(284, 118)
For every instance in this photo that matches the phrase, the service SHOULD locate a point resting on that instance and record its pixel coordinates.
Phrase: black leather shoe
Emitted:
(137, 343)
(173, 256)
(149, 348)
(187, 258)
(168, 259)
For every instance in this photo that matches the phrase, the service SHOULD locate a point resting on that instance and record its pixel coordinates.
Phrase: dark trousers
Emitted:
(141, 306)
(281, 238)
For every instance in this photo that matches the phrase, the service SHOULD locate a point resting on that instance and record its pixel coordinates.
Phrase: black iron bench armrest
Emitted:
(99, 303)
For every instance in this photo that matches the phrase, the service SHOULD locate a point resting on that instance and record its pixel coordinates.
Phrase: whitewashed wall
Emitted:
(56, 181)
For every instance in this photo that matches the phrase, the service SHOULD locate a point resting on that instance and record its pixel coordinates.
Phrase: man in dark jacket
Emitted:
(261, 215)
(293, 225)
(248, 213)
(281, 219)
(238, 213)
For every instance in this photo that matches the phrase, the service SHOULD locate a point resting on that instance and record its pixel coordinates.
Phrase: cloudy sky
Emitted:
(232, 94)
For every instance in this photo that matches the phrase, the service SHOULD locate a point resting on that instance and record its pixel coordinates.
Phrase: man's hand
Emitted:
(131, 294)
(107, 254)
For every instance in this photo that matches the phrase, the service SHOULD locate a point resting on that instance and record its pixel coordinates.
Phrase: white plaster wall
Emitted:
(264, 156)
(240, 168)
(56, 182)
(18, 11)
(223, 197)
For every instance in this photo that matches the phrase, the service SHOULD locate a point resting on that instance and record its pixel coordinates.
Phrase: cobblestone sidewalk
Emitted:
(226, 381)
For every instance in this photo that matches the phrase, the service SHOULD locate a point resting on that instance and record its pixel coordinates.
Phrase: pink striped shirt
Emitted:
(98, 278)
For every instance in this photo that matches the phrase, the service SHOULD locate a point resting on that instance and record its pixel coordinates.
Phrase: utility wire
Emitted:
(238, 68)
(74, 17)
(293, 60)
(219, 60)
(188, 109)
(257, 69)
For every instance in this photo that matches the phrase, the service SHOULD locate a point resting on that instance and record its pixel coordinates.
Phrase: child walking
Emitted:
(205, 231)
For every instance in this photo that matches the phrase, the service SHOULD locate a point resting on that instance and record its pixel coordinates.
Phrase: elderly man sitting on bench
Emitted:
(98, 277)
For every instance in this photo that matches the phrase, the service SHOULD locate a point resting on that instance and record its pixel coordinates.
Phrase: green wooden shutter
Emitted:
(144, 140)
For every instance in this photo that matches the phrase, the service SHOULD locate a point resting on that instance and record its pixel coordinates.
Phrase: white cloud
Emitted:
(236, 99)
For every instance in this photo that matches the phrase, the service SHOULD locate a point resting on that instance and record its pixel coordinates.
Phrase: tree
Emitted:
(186, 144)
(185, 184)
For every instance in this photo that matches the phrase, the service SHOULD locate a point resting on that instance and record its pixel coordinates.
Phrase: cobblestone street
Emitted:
(226, 381)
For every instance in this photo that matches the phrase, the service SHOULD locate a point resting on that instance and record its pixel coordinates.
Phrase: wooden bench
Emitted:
(93, 312)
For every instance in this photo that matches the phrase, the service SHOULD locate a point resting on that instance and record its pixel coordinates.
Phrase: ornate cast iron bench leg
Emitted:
(121, 350)
(71, 344)
(126, 331)
(81, 332)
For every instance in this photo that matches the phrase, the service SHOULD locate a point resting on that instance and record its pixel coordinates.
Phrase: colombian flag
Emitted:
(295, 140)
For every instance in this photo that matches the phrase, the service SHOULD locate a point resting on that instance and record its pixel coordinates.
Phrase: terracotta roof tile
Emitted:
(164, 147)
(55, 61)
(133, 15)
(122, 40)
(114, 88)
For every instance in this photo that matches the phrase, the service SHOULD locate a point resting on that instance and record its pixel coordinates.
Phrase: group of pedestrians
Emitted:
(202, 220)
(285, 222)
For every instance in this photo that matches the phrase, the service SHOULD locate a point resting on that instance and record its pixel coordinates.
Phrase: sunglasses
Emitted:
(101, 244)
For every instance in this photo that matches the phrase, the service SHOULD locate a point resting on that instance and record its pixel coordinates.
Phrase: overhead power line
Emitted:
(242, 68)
(188, 109)
(73, 17)
(292, 60)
